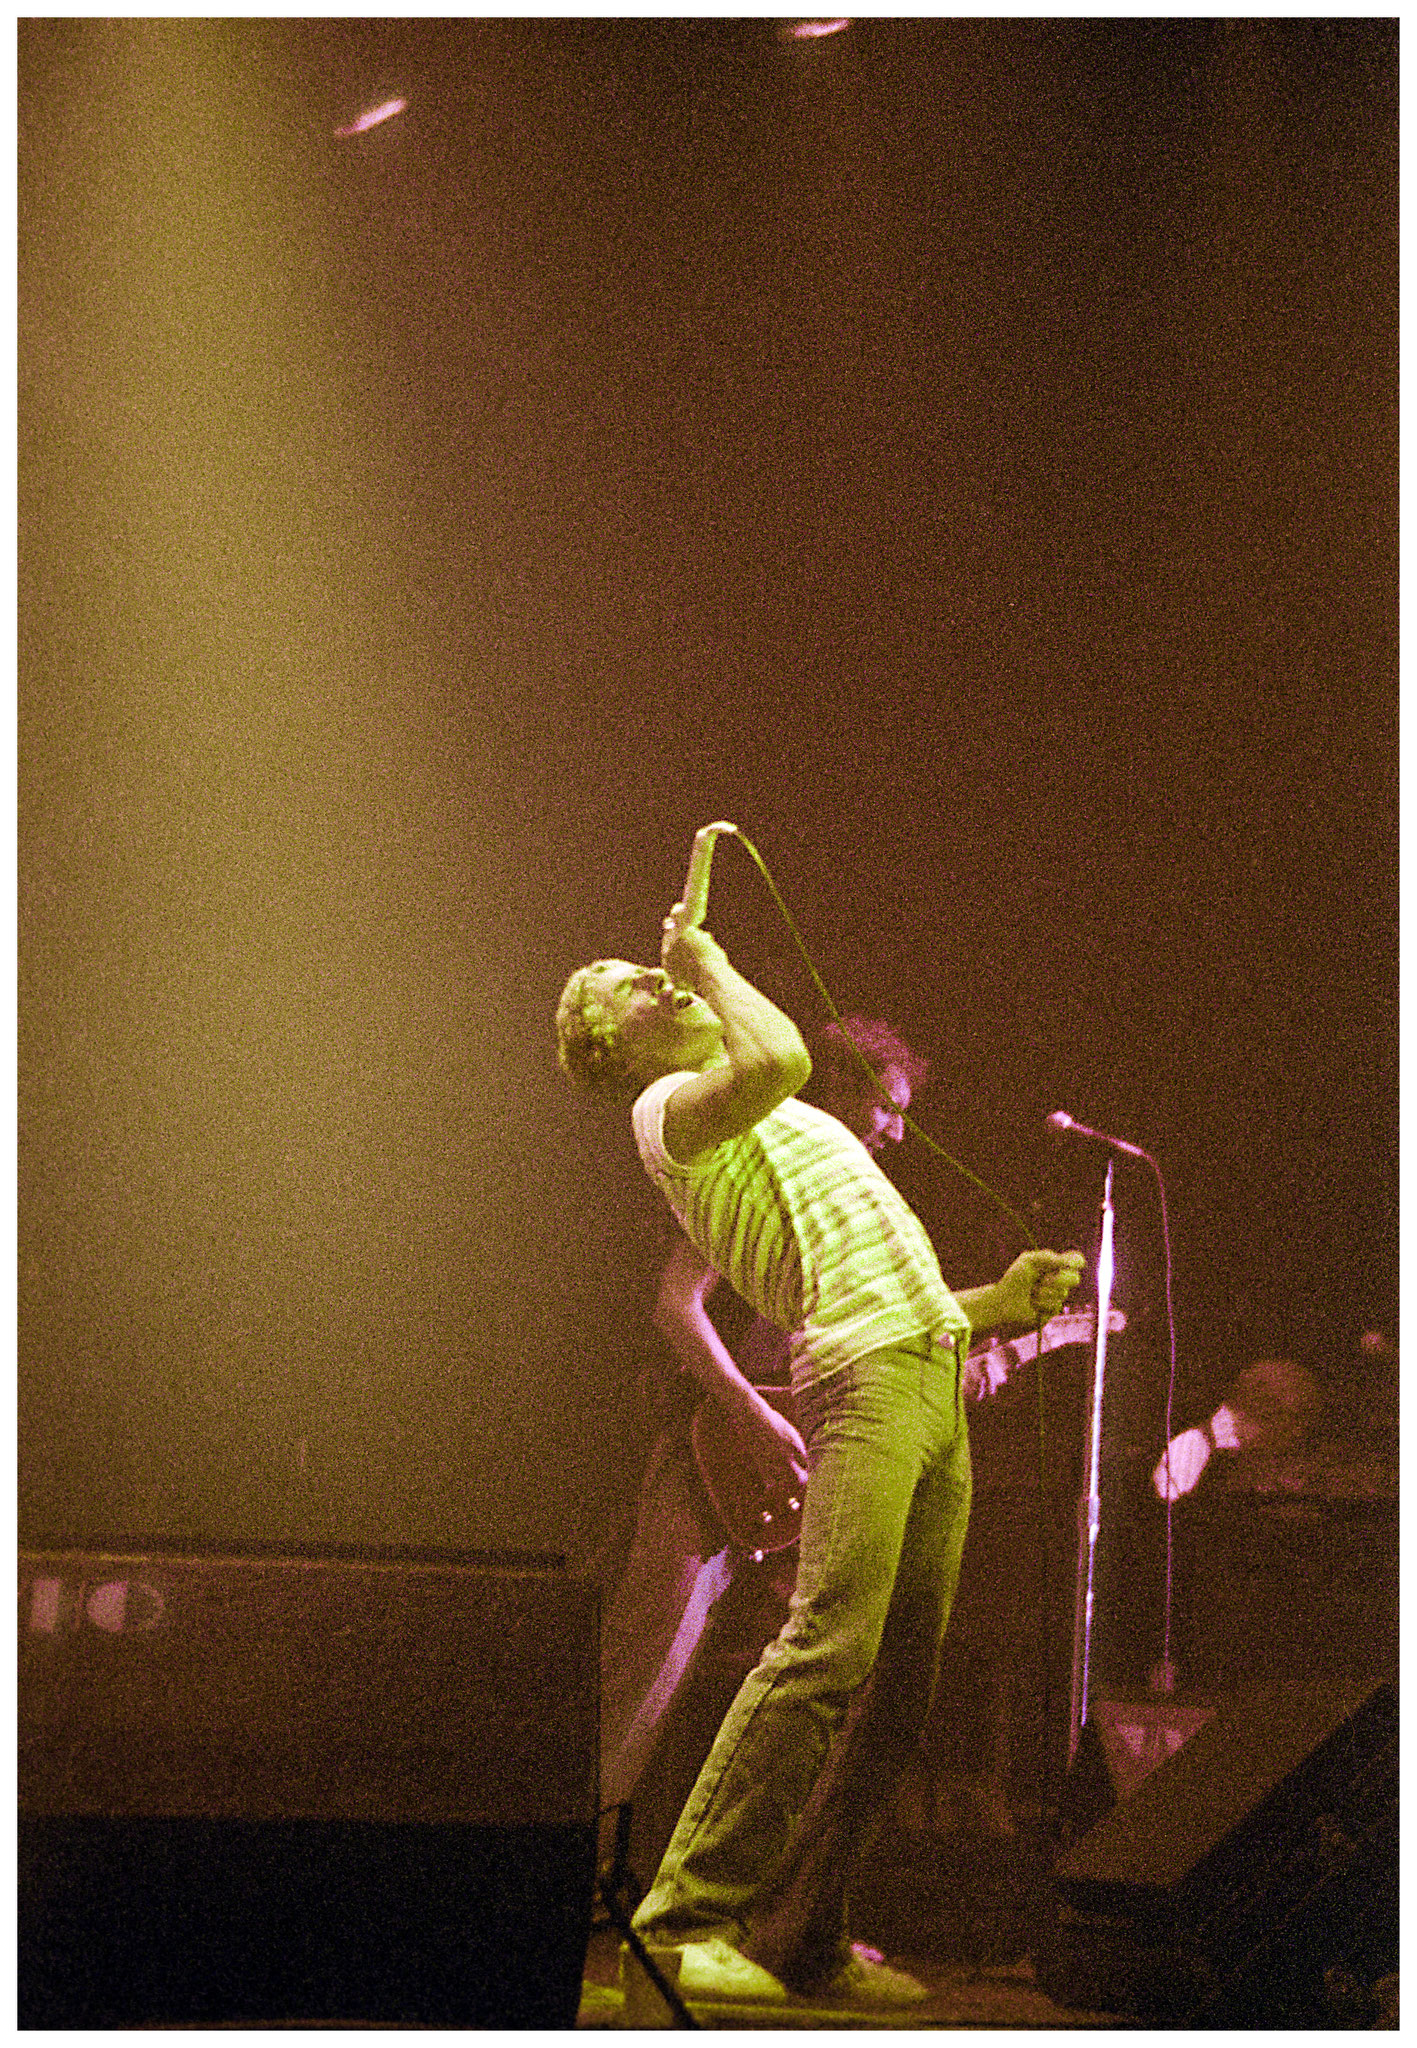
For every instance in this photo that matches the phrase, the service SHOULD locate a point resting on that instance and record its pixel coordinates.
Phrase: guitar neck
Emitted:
(992, 1364)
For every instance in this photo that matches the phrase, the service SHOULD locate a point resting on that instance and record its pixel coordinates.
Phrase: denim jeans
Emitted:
(822, 1729)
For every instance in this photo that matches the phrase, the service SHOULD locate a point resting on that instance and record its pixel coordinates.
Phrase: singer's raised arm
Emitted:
(763, 1058)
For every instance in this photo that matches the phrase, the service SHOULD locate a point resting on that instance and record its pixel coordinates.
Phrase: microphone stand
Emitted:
(1090, 1502)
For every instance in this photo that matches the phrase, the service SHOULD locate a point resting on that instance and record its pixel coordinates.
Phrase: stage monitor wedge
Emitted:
(1257, 1861)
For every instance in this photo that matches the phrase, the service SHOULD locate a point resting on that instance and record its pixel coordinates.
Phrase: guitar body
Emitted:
(756, 1518)
(760, 1520)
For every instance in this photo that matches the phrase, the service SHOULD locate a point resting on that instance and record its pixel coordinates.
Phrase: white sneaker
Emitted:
(699, 1969)
(714, 1969)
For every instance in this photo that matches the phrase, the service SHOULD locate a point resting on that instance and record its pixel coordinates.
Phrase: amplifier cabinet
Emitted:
(265, 1788)
(399, 1687)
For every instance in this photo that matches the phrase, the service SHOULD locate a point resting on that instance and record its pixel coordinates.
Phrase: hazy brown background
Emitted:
(962, 452)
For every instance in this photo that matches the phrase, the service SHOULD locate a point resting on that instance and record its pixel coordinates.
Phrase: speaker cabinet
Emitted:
(278, 1787)
(1245, 1874)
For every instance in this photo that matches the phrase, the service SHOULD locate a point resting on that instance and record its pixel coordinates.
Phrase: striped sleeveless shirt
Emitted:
(799, 1219)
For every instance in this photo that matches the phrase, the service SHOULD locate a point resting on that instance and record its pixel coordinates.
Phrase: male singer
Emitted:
(690, 1605)
(750, 1900)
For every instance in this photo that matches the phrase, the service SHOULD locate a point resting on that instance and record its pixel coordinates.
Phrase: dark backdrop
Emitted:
(963, 452)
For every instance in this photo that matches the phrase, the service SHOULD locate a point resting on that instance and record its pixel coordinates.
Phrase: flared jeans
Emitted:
(825, 1725)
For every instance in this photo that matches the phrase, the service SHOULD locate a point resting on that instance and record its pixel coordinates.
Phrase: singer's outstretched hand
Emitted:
(1043, 1281)
(1035, 1286)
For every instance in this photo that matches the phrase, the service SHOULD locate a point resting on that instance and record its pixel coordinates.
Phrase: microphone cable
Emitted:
(822, 990)
(1049, 1796)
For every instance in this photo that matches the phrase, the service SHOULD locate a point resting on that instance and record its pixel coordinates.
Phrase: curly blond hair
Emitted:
(588, 1041)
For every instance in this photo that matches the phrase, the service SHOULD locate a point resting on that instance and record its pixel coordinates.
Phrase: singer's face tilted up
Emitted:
(659, 1029)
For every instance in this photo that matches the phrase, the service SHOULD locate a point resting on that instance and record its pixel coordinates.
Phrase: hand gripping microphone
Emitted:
(1062, 1123)
(694, 904)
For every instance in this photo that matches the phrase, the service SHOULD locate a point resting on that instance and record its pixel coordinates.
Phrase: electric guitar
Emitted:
(761, 1519)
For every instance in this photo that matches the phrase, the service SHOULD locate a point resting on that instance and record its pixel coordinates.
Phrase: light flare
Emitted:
(372, 117)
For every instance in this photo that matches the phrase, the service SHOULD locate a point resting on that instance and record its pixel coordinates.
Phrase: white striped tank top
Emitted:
(799, 1219)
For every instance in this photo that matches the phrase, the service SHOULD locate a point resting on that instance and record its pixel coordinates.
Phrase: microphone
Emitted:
(1060, 1123)
(694, 904)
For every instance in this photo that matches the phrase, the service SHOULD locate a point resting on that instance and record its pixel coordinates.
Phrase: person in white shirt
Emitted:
(702, 1585)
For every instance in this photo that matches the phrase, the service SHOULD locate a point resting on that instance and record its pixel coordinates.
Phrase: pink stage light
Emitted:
(385, 111)
(802, 31)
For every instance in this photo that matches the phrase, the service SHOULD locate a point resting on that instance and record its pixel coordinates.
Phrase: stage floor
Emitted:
(955, 1910)
(962, 1995)
(968, 1911)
